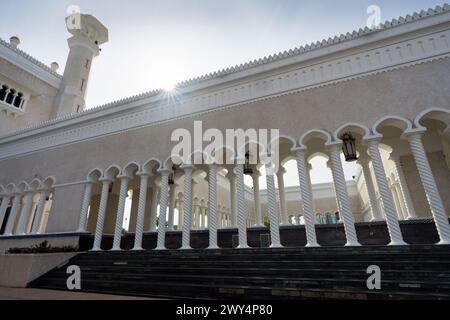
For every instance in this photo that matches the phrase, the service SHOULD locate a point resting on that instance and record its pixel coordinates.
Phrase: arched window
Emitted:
(18, 101)
(3, 91)
(10, 97)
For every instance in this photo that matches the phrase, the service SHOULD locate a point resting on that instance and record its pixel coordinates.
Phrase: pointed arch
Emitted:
(401, 123)
(439, 114)
(352, 127)
(315, 133)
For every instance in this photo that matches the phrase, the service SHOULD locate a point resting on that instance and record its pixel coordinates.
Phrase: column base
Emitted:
(397, 243)
(116, 249)
(443, 243)
(160, 248)
(96, 250)
(243, 246)
(185, 248)
(312, 245)
(137, 249)
(377, 220)
(353, 244)
(213, 248)
(278, 245)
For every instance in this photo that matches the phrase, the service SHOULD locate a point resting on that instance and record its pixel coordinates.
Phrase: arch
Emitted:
(312, 134)
(317, 154)
(439, 114)
(112, 172)
(2, 190)
(94, 175)
(403, 124)
(130, 169)
(151, 165)
(173, 160)
(249, 146)
(23, 186)
(352, 127)
(48, 183)
(11, 188)
(287, 139)
(35, 185)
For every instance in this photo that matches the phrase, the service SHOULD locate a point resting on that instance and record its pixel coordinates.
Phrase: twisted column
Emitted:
(172, 199)
(163, 209)
(187, 208)
(4, 207)
(342, 198)
(25, 213)
(180, 213)
(386, 195)
(307, 202)
(376, 213)
(13, 214)
(232, 178)
(404, 191)
(141, 211)
(85, 206)
(257, 196)
(120, 213)
(154, 208)
(212, 176)
(242, 219)
(106, 183)
(39, 212)
(431, 190)
(282, 193)
(273, 208)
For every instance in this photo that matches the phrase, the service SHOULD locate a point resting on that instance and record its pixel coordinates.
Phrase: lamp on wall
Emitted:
(349, 147)
(248, 170)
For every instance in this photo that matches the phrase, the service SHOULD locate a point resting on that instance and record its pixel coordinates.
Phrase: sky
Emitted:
(157, 43)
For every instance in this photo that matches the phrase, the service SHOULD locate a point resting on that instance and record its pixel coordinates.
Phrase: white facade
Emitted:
(387, 87)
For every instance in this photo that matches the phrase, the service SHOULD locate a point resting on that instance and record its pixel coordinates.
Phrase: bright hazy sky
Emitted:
(156, 43)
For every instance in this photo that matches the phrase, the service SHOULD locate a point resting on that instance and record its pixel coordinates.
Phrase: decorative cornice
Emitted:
(31, 64)
(308, 73)
(152, 111)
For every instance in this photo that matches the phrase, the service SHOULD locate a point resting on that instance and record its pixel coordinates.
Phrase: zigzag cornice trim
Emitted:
(416, 16)
(30, 58)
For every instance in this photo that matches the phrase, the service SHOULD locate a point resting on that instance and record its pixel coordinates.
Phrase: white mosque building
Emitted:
(105, 174)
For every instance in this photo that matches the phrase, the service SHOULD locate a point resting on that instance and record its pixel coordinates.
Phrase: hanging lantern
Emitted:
(248, 170)
(349, 147)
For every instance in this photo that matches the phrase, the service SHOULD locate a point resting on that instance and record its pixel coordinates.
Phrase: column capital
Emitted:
(106, 180)
(187, 167)
(413, 134)
(372, 140)
(124, 177)
(334, 146)
(165, 172)
(299, 150)
(281, 171)
(144, 174)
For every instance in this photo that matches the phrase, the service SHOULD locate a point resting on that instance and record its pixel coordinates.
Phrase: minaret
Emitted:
(87, 35)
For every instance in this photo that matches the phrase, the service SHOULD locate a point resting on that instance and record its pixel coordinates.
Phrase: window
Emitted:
(82, 84)
(11, 97)
(87, 63)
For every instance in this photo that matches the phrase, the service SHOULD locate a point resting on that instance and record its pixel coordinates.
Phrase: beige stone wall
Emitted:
(405, 92)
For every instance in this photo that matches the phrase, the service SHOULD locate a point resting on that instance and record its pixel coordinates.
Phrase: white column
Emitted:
(180, 213)
(342, 197)
(386, 195)
(4, 207)
(25, 213)
(431, 190)
(163, 209)
(212, 177)
(187, 207)
(39, 212)
(397, 202)
(154, 208)
(120, 212)
(141, 211)
(242, 216)
(307, 200)
(404, 190)
(106, 183)
(376, 213)
(13, 214)
(282, 193)
(172, 198)
(203, 222)
(232, 178)
(273, 208)
(257, 198)
(85, 207)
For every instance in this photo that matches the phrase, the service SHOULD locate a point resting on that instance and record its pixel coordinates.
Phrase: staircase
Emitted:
(412, 272)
